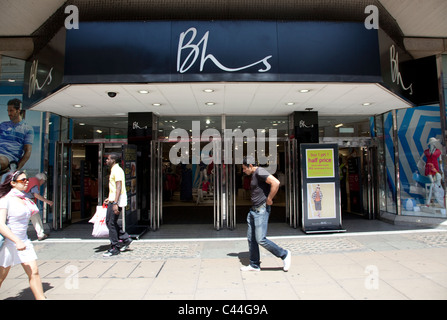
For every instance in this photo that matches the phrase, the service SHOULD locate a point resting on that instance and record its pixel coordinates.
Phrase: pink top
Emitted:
(432, 165)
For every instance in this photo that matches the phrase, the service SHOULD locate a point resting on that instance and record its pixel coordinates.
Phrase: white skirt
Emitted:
(10, 256)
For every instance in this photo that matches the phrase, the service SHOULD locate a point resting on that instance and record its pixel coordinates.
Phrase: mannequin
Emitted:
(433, 171)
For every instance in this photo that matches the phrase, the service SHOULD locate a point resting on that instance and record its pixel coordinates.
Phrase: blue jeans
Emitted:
(258, 219)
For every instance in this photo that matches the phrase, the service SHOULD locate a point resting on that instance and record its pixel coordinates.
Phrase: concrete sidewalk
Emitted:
(395, 264)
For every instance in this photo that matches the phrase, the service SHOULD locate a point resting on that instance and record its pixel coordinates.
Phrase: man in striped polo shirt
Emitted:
(16, 138)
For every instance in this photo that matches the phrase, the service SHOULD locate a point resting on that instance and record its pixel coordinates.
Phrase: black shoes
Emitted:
(118, 249)
(111, 252)
(125, 244)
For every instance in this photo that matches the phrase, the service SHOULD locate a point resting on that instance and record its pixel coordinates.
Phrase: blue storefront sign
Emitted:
(184, 51)
(232, 51)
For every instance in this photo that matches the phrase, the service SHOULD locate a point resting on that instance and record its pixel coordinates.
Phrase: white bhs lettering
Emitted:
(191, 58)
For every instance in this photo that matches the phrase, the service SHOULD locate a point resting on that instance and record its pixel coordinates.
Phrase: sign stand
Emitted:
(320, 188)
(130, 213)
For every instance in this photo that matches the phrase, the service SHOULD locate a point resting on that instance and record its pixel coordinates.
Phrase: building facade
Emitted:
(140, 81)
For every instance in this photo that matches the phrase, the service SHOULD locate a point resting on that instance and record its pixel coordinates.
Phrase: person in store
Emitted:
(33, 193)
(15, 212)
(343, 170)
(117, 199)
(16, 139)
(264, 187)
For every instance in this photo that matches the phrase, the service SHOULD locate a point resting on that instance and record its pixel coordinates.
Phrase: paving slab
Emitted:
(391, 264)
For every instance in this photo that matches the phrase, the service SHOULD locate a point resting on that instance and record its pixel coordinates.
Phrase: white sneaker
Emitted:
(287, 261)
(250, 268)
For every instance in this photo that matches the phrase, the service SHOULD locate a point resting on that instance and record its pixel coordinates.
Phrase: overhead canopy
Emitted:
(248, 98)
(252, 67)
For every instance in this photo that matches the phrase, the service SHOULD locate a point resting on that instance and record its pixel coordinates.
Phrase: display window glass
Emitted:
(421, 173)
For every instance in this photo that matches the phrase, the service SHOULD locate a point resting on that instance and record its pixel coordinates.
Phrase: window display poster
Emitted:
(34, 119)
(321, 201)
(320, 188)
(130, 169)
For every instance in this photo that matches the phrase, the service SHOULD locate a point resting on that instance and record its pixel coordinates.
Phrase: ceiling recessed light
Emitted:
(339, 125)
(304, 91)
(77, 105)
(156, 104)
(11, 80)
(208, 90)
(367, 104)
(81, 123)
(210, 103)
(143, 91)
(290, 103)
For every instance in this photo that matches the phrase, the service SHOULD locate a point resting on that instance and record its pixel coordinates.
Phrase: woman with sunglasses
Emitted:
(15, 213)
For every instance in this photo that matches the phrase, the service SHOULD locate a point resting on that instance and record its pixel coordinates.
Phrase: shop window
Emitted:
(109, 129)
(264, 123)
(390, 169)
(378, 134)
(444, 72)
(168, 123)
(420, 167)
(344, 127)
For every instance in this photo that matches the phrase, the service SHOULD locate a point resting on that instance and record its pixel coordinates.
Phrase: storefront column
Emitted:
(442, 109)
(305, 130)
(396, 164)
(142, 128)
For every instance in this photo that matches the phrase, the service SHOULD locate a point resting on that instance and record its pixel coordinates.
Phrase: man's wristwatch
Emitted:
(114, 203)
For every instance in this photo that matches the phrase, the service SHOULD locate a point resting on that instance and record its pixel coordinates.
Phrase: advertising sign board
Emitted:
(320, 188)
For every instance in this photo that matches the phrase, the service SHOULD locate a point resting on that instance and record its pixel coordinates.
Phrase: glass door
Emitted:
(370, 205)
(218, 194)
(236, 186)
(230, 195)
(184, 193)
(156, 185)
(291, 181)
(229, 188)
(80, 180)
(61, 210)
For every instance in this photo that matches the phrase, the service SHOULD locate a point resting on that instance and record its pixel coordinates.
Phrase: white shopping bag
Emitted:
(100, 229)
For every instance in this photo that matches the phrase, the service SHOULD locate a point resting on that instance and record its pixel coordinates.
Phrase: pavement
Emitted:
(372, 260)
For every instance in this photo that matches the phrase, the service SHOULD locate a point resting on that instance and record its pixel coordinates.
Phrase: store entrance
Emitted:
(215, 194)
(237, 198)
(183, 193)
(189, 191)
(358, 181)
(80, 181)
(84, 181)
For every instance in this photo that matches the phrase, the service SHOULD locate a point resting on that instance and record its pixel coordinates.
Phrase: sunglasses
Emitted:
(24, 180)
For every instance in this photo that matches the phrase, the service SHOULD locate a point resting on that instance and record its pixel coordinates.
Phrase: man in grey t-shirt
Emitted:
(264, 187)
